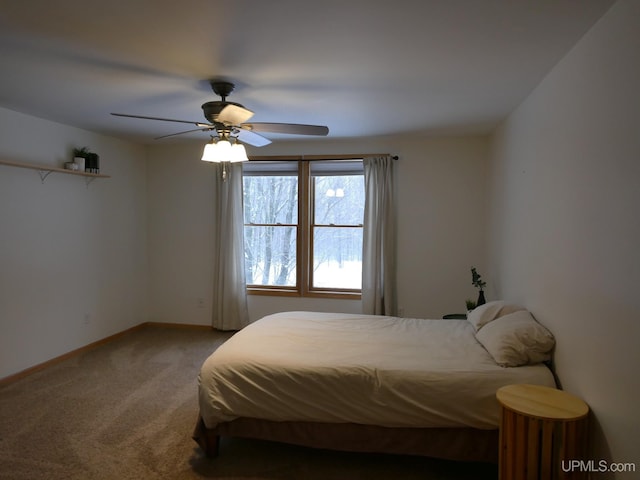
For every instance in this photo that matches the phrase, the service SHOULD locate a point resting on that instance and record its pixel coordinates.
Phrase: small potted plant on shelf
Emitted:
(470, 304)
(80, 156)
(476, 280)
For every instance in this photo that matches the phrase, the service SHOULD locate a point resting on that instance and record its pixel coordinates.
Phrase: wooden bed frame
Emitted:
(462, 444)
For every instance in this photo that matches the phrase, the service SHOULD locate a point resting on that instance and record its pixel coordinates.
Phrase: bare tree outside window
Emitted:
(271, 217)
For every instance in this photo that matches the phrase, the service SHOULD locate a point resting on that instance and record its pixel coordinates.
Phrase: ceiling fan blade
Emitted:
(186, 131)
(198, 124)
(234, 114)
(248, 137)
(291, 128)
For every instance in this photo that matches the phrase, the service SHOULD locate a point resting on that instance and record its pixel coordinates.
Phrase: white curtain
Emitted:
(379, 233)
(230, 310)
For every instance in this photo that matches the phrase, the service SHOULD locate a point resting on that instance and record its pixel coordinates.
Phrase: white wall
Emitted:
(441, 208)
(67, 250)
(566, 222)
(70, 252)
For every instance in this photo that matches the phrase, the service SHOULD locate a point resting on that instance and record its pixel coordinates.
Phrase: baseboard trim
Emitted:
(41, 366)
(178, 325)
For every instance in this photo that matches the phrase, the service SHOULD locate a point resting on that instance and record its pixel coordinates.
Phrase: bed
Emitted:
(366, 383)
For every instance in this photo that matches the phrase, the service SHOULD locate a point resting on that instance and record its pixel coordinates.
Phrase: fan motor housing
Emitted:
(212, 109)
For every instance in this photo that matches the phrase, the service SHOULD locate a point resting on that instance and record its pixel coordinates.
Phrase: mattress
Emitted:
(362, 369)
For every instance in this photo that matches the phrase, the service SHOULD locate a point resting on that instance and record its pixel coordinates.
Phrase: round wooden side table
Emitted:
(542, 430)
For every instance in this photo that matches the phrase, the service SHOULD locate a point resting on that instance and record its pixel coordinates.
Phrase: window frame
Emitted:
(304, 237)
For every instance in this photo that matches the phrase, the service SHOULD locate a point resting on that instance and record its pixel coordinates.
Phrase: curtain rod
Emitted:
(314, 158)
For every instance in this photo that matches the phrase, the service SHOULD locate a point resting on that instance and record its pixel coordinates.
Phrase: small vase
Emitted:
(80, 161)
(481, 300)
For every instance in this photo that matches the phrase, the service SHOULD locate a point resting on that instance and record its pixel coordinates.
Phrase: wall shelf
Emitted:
(45, 171)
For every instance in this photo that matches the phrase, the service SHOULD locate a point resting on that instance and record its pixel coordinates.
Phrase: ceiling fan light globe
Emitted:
(216, 151)
(238, 153)
(209, 154)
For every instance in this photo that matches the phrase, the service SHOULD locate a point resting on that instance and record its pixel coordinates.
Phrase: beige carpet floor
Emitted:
(126, 410)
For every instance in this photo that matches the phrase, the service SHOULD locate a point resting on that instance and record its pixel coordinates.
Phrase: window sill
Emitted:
(294, 293)
(272, 292)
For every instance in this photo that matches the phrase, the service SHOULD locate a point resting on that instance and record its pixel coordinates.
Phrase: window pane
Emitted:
(270, 199)
(339, 200)
(337, 257)
(270, 255)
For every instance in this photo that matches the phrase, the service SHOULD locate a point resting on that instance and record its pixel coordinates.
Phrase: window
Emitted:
(303, 226)
(336, 215)
(271, 230)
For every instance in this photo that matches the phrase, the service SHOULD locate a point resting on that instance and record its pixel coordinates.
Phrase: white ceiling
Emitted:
(361, 67)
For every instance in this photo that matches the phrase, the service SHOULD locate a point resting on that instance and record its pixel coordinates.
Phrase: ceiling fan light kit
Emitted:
(222, 150)
(228, 120)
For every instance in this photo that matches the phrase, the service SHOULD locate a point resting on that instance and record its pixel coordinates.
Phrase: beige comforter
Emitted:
(345, 368)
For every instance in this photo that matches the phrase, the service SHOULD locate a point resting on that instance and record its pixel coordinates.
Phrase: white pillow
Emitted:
(480, 316)
(517, 339)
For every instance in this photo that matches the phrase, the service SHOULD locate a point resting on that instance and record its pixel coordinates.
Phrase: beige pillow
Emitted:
(480, 316)
(517, 339)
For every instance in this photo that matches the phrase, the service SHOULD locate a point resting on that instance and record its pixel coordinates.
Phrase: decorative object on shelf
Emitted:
(477, 282)
(470, 304)
(93, 163)
(72, 166)
(80, 157)
(86, 160)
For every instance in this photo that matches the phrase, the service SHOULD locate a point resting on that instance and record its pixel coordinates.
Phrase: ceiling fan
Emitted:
(229, 120)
